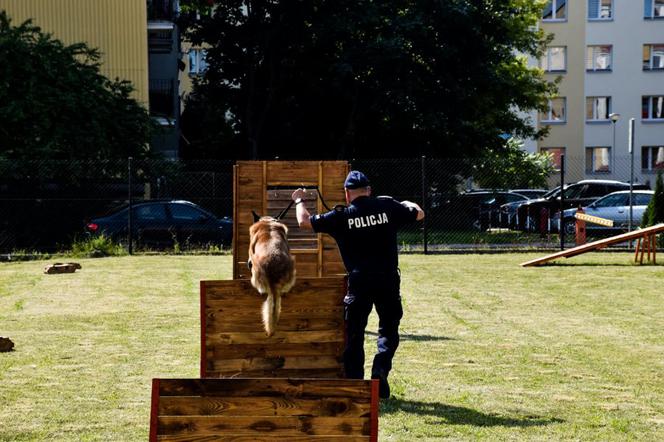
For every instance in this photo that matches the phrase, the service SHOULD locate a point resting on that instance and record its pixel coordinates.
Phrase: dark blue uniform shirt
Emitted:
(366, 232)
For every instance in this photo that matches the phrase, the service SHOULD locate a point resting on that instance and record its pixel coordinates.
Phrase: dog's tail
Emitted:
(271, 310)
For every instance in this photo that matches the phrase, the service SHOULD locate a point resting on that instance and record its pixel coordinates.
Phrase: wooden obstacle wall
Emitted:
(308, 343)
(265, 187)
(264, 409)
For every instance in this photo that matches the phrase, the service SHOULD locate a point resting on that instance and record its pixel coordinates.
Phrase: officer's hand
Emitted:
(299, 193)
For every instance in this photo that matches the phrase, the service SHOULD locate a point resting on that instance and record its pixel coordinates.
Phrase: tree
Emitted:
(512, 167)
(654, 213)
(367, 78)
(55, 104)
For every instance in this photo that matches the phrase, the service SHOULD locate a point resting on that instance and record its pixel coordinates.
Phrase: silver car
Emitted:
(614, 206)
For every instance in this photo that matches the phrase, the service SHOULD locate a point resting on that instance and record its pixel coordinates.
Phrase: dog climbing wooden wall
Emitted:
(265, 187)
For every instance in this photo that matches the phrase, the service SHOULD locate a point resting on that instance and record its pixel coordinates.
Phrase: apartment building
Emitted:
(610, 57)
(138, 41)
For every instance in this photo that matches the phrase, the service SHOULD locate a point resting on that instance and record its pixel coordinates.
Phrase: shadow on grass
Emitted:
(453, 415)
(409, 337)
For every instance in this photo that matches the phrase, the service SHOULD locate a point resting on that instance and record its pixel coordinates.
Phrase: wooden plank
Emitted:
(228, 289)
(274, 426)
(154, 410)
(254, 438)
(296, 312)
(262, 406)
(285, 173)
(236, 236)
(301, 388)
(629, 236)
(234, 351)
(276, 363)
(374, 409)
(313, 373)
(594, 219)
(252, 300)
(253, 323)
(279, 337)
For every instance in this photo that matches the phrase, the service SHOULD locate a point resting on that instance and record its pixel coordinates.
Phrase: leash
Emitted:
(288, 207)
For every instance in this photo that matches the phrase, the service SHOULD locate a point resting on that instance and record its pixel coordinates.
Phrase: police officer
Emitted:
(366, 232)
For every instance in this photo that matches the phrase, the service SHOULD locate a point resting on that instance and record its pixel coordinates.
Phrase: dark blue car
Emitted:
(160, 224)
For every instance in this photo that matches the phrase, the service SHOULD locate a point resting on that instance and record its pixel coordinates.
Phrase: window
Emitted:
(556, 153)
(197, 61)
(598, 108)
(652, 157)
(653, 57)
(186, 213)
(653, 8)
(160, 41)
(598, 58)
(619, 199)
(597, 159)
(555, 59)
(555, 10)
(556, 112)
(150, 212)
(652, 107)
(641, 199)
(600, 9)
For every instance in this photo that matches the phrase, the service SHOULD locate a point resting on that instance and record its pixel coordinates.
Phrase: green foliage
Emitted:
(96, 247)
(512, 167)
(362, 79)
(57, 105)
(654, 213)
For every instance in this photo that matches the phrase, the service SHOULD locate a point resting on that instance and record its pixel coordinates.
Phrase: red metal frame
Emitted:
(203, 327)
(154, 410)
(374, 411)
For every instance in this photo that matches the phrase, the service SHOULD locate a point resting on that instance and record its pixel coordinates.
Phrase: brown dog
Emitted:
(272, 266)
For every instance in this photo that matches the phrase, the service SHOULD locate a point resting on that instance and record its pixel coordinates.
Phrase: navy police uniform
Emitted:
(366, 232)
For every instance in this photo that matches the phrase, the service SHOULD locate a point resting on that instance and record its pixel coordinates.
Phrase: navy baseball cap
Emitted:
(356, 180)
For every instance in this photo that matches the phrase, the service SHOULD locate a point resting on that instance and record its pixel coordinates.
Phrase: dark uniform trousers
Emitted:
(364, 291)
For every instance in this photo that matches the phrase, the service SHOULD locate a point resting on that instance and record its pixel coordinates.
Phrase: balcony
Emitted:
(162, 10)
(162, 98)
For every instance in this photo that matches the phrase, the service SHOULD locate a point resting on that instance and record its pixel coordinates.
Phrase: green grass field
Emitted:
(489, 350)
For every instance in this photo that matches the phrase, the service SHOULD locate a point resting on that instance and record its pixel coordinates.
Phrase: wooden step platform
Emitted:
(264, 409)
(308, 343)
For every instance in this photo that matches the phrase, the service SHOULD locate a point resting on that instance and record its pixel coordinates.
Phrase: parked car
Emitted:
(614, 206)
(475, 209)
(532, 213)
(508, 217)
(531, 193)
(158, 224)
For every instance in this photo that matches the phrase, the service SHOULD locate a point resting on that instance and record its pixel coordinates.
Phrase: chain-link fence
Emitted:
(46, 206)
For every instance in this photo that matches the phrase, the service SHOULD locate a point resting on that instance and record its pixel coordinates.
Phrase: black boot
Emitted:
(383, 385)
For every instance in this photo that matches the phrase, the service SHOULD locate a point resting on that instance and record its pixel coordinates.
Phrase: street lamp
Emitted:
(614, 119)
(630, 143)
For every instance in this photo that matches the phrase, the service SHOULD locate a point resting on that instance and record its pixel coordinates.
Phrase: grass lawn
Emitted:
(489, 350)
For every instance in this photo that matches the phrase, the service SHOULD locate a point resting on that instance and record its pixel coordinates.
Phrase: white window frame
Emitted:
(554, 8)
(590, 168)
(547, 56)
(650, 151)
(199, 55)
(650, 99)
(599, 11)
(652, 56)
(650, 14)
(549, 115)
(592, 51)
(594, 117)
